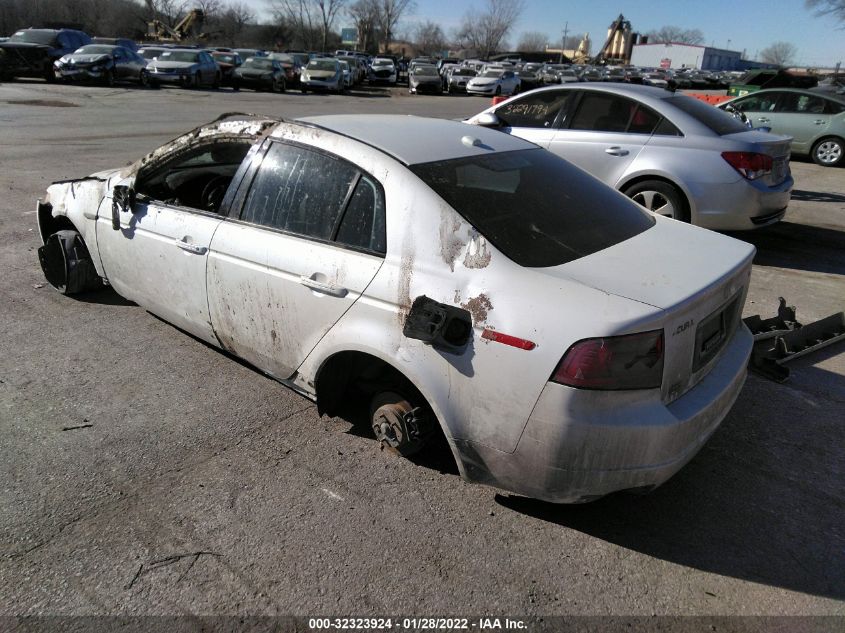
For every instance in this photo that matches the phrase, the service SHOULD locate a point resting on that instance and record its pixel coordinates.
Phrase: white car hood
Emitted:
(662, 266)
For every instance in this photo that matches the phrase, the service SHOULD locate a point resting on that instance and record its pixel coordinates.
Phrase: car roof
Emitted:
(413, 140)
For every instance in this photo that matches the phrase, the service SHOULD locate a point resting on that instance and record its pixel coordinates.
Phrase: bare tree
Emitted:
(364, 14)
(835, 8)
(676, 35)
(486, 30)
(302, 19)
(388, 16)
(430, 38)
(328, 12)
(532, 41)
(780, 53)
(233, 21)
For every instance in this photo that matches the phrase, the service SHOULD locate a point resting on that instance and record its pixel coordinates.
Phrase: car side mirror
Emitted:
(488, 119)
(123, 200)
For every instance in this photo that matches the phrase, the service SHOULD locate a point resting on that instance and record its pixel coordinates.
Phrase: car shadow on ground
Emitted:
(798, 246)
(104, 296)
(755, 504)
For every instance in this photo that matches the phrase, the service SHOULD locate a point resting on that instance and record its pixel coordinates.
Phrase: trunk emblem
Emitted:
(683, 327)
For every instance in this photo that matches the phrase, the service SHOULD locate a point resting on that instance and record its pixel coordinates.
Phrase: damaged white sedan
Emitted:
(566, 342)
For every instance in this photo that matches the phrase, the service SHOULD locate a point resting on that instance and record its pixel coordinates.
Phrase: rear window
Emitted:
(716, 120)
(535, 207)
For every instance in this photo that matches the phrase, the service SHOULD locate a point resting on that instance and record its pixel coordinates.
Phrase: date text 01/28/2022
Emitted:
(416, 624)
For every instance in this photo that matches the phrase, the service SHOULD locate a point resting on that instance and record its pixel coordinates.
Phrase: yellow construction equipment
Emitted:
(188, 28)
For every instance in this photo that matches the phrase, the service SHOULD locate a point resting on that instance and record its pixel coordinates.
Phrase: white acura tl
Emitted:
(567, 342)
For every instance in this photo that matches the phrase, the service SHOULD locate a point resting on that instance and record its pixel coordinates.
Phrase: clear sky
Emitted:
(749, 25)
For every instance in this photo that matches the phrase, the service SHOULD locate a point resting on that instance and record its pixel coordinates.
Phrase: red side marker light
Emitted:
(513, 341)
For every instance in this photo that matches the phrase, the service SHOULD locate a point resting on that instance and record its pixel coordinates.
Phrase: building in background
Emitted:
(674, 55)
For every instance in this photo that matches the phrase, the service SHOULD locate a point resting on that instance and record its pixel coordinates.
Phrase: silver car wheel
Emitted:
(828, 152)
(656, 202)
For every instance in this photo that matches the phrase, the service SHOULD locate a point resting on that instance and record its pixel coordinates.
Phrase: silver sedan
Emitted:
(675, 155)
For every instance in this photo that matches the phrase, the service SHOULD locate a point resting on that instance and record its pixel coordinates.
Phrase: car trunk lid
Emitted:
(698, 279)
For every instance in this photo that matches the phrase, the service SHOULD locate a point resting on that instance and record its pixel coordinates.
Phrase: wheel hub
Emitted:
(656, 202)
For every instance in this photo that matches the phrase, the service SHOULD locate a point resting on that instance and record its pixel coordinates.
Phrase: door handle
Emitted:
(319, 286)
(819, 121)
(196, 249)
(616, 151)
(763, 119)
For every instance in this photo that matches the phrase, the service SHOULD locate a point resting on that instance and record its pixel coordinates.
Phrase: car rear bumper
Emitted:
(740, 205)
(579, 445)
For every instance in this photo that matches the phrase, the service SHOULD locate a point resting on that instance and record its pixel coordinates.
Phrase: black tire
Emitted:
(274, 85)
(144, 79)
(388, 411)
(283, 86)
(50, 73)
(67, 264)
(108, 79)
(197, 83)
(217, 80)
(303, 89)
(236, 86)
(661, 197)
(498, 91)
(828, 152)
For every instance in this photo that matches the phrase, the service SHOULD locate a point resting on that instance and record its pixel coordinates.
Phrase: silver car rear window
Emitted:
(717, 120)
(535, 207)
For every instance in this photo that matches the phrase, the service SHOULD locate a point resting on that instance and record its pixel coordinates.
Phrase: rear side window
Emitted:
(535, 207)
(797, 102)
(716, 120)
(300, 191)
(363, 223)
(534, 110)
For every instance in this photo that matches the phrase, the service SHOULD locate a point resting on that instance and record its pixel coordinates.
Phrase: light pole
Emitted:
(563, 41)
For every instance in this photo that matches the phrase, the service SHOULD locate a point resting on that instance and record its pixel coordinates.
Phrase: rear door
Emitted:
(804, 117)
(605, 134)
(307, 242)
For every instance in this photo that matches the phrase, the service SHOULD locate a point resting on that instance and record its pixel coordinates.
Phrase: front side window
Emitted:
(758, 103)
(603, 113)
(536, 208)
(534, 110)
(299, 191)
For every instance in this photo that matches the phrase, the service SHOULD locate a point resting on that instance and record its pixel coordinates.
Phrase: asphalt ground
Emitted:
(145, 473)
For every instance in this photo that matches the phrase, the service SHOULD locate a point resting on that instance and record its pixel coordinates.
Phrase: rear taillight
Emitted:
(750, 164)
(633, 361)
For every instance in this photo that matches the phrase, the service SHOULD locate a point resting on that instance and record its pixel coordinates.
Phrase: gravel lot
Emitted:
(182, 451)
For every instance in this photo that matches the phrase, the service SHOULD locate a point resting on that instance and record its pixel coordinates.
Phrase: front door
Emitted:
(157, 258)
